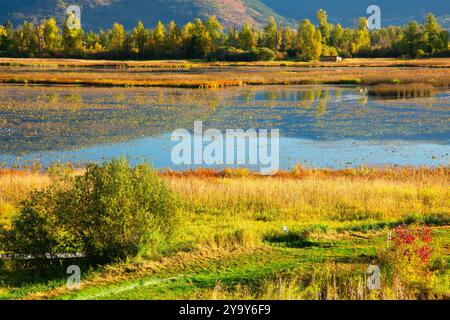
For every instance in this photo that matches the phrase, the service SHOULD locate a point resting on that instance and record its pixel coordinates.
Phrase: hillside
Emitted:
(101, 14)
(346, 12)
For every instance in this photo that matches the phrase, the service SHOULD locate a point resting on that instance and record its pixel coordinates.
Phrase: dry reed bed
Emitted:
(394, 173)
(356, 62)
(402, 90)
(228, 75)
(377, 192)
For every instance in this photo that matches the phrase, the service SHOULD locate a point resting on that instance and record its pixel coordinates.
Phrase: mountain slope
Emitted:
(101, 14)
(393, 12)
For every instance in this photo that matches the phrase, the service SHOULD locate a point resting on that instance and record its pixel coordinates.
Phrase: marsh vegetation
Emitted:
(230, 239)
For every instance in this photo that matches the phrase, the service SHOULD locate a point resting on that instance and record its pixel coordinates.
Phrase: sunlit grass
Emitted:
(232, 243)
(185, 74)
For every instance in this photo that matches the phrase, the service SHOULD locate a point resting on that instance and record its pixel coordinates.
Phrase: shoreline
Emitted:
(297, 172)
(210, 75)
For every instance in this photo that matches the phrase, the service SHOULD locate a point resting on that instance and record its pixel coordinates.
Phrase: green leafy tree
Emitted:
(247, 38)
(158, 40)
(118, 38)
(186, 39)
(309, 41)
(105, 38)
(197, 39)
(20, 41)
(140, 37)
(39, 35)
(233, 37)
(413, 39)
(337, 37)
(72, 35)
(215, 31)
(52, 38)
(325, 28)
(361, 38)
(92, 41)
(30, 33)
(6, 40)
(287, 39)
(3, 37)
(174, 40)
(435, 37)
(270, 34)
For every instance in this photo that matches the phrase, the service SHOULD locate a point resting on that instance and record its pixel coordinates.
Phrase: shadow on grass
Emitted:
(429, 220)
(292, 239)
(19, 275)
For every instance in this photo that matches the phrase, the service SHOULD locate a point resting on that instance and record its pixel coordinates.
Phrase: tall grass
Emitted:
(315, 197)
(336, 220)
(205, 75)
(412, 90)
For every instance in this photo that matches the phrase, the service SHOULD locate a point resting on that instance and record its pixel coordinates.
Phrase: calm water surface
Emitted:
(320, 126)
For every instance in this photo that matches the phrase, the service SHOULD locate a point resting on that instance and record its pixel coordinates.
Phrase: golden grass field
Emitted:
(226, 219)
(193, 74)
(231, 241)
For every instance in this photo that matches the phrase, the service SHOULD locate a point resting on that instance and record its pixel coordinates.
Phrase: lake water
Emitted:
(320, 126)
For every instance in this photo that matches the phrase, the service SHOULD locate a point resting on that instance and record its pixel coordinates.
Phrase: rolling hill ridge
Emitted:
(101, 14)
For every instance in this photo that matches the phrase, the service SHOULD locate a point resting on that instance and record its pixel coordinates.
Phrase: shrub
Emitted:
(233, 54)
(7, 211)
(31, 235)
(422, 54)
(228, 54)
(407, 262)
(104, 213)
(263, 54)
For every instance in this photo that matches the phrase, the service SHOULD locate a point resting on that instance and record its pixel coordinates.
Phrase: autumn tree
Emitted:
(287, 39)
(436, 39)
(7, 36)
(39, 35)
(233, 37)
(72, 34)
(118, 38)
(52, 37)
(157, 41)
(361, 39)
(140, 36)
(23, 38)
(174, 40)
(413, 39)
(325, 28)
(247, 39)
(92, 41)
(270, 35)
(3, 36)
(215, 30)
(197, 40)
(309, 41)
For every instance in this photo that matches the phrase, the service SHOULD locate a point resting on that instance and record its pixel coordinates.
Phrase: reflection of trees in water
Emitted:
(42, 121)
(333, 113)
(43, 118)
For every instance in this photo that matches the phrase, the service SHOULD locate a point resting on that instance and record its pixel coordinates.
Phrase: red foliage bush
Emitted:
(414, 240)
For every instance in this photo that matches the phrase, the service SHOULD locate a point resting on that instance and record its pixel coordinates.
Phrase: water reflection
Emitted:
(341, 126)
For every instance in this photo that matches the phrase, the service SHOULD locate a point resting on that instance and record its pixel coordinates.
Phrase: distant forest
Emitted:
(209, 40)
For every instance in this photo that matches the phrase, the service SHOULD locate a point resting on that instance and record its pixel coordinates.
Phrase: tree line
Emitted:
(208, 39)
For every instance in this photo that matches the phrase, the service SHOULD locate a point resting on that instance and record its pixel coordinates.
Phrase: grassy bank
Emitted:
(231, 244)
(188, 74)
